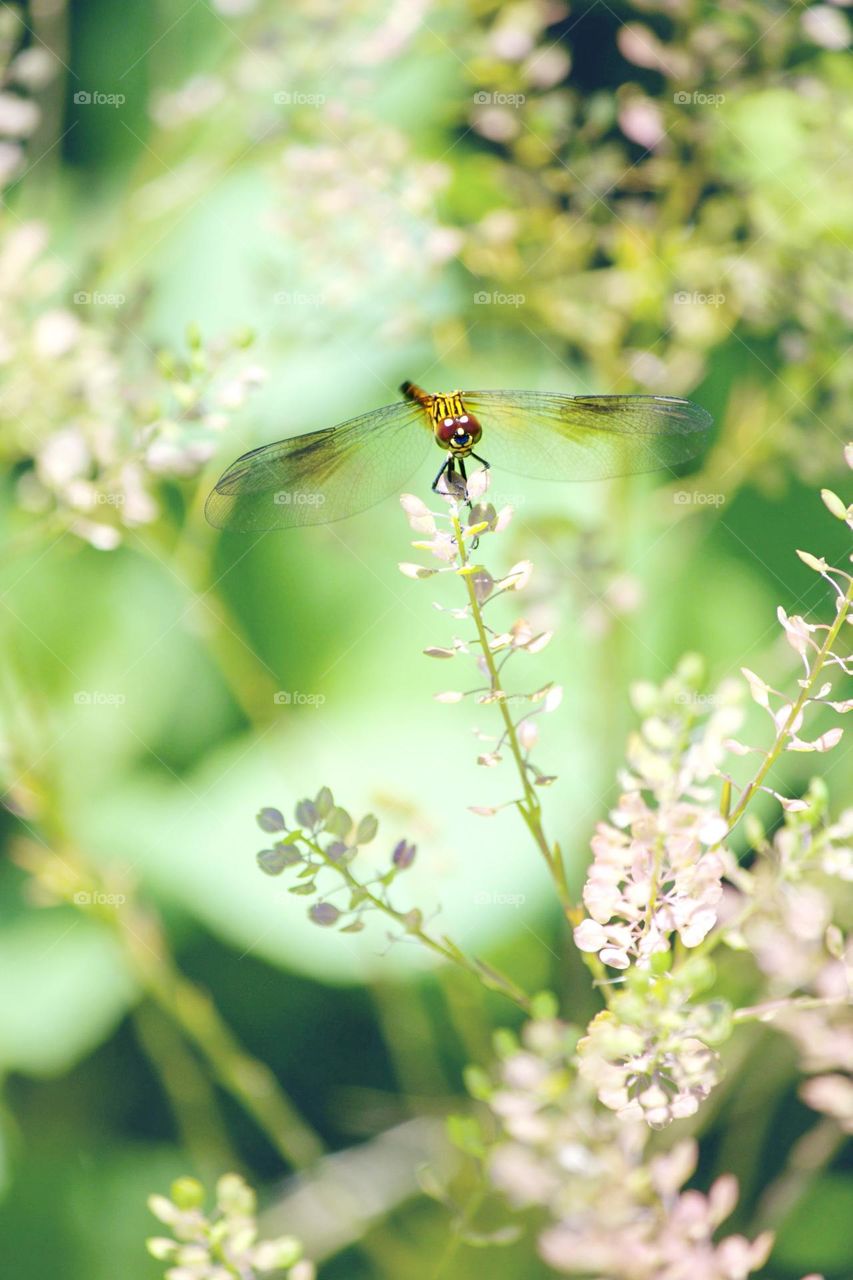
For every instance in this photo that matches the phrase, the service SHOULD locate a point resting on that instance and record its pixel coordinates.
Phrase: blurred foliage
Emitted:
(238, 221)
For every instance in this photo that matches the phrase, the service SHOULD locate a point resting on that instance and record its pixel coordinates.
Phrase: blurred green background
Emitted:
(229, 222)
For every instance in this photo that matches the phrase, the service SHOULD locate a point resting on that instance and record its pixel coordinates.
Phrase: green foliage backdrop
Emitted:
(226, 222)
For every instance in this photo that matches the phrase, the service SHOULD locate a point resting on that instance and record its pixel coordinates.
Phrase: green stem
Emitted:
(805, 693)
(444, 947)
(250, 1082)
(529, 807)
(192, 1098)
(767, 1011)
(63, 875)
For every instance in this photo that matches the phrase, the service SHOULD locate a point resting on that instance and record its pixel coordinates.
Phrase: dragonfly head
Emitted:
(457, 434)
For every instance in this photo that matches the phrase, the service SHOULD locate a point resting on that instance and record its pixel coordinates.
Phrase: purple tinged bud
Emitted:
(403, 855)
(271, 820)
(306, 814)
(272, 861)
(323, 913)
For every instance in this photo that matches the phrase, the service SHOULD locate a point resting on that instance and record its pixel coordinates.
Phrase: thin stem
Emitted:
(64, 875)
(767, 1011)
(805, 692)
(529, 807)
(250, 1082)
(192, 1097)
(444, 947)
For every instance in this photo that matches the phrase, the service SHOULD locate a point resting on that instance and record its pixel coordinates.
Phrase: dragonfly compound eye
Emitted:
(458, 434)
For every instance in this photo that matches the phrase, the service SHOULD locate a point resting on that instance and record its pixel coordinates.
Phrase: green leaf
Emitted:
(367, 829)
(324, 802)
(464, 1133)
(544, 1005)
(338, 823)
(817, 1234)
(478, 1083)
(64, 987)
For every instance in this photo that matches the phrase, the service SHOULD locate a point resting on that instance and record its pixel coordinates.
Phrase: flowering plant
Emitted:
(573, 1108)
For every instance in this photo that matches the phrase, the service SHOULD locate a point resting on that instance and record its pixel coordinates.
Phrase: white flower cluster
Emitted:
(785, 911)
(93, 443)
(613, 1209)
(647, 1055)
(658, 865)
(22, 74)
(223, 1245)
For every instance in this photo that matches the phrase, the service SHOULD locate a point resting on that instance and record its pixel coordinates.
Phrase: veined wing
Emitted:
(324, 475)
(554, 437)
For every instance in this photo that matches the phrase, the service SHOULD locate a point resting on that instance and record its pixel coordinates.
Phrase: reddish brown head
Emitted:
(455, 429)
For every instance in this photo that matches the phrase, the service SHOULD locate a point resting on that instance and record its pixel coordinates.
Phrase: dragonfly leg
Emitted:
(486, 465)
(447, 466)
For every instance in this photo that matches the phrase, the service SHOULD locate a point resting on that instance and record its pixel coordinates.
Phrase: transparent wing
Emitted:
(554, 437)
(324, 475)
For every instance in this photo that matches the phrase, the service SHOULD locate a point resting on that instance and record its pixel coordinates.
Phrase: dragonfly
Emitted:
(327, 475)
